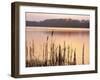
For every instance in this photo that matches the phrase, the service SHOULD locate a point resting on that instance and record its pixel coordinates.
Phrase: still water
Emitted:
(74, 38)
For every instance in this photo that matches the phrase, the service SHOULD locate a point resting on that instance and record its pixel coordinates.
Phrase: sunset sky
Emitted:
(42, 16)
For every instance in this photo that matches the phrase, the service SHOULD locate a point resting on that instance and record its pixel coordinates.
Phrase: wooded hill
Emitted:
(68, 23)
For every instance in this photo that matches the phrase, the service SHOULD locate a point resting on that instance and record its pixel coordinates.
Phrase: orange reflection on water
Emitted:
(75, 38)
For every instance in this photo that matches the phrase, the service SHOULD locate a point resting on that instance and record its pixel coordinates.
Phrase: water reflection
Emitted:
(54, 46)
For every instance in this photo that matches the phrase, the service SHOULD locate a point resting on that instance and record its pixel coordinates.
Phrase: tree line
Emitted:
(68, 23)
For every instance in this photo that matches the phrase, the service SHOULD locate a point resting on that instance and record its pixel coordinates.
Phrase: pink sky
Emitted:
(43, 16)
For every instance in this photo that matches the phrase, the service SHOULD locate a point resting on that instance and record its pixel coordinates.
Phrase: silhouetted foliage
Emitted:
(59, 23)
(53, 55)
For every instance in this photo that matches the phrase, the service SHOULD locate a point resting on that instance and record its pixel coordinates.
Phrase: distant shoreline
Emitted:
(56, 29)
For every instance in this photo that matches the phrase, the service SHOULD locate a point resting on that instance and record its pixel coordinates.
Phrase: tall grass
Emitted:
(52, 54)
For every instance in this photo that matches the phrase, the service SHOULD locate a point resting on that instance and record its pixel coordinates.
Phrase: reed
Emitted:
(83, 54)
(53, 54)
